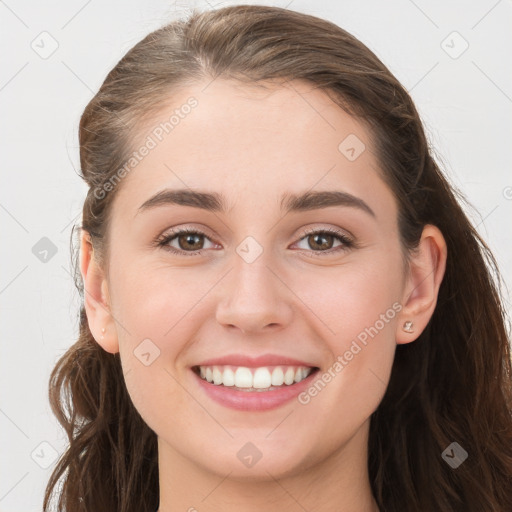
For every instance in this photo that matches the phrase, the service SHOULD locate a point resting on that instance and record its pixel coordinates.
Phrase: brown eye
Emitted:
(187, 242)
(325, 242)
(320, 241)
(190, 241)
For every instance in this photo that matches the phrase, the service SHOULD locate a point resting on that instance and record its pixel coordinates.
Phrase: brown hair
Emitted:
(454, 383)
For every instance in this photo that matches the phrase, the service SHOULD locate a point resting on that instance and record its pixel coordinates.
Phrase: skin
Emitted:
(253, 145)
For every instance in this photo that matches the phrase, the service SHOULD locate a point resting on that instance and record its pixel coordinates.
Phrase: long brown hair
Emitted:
(453, 384)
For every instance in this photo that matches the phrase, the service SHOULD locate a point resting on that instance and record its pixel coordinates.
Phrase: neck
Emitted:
(338, 483)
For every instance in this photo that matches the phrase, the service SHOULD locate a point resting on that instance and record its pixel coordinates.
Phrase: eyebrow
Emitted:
(216, 203)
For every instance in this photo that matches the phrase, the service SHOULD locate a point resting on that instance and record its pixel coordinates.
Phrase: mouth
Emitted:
(254, 379)
(253, 383)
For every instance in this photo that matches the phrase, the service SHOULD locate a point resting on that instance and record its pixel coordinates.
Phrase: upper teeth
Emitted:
(259, 378)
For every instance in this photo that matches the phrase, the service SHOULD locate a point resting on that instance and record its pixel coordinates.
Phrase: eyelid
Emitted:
(344, 236)
(188, 228)
(328, 229)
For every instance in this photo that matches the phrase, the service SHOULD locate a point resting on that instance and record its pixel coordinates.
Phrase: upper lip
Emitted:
(254, 362)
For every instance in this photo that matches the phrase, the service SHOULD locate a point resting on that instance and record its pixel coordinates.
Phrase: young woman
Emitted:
(284, 306)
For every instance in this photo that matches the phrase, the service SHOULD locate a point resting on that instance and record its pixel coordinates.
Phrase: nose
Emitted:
(254, 298)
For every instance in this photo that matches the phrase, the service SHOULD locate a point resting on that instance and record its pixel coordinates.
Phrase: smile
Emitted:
(253, 388)
(265, 378)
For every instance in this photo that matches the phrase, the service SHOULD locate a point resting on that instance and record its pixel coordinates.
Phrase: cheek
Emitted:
(152, 329)
(155, 394)
(358, 312)
(351, 298)
(156, 302)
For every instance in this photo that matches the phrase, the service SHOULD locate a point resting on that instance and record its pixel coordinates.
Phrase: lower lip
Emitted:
(254, 400)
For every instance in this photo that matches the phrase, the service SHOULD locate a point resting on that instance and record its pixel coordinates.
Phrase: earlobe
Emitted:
(426, 271)
(96, 298)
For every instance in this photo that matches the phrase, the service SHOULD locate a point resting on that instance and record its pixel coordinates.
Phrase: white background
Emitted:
(465, 103)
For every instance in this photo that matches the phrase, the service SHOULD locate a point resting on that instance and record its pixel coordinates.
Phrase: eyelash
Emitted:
(165, 239)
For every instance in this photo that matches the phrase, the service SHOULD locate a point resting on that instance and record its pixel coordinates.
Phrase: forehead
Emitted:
(251, 142)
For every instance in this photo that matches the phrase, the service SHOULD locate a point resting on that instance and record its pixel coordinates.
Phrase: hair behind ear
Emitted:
(107, 436)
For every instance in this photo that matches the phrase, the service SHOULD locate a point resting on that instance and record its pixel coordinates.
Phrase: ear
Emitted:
(426, 271)
(96, 297)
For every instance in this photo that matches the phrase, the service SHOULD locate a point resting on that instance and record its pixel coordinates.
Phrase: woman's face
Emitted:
(251, 281)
